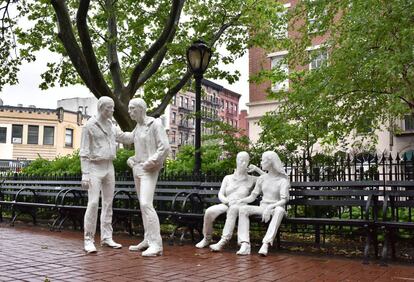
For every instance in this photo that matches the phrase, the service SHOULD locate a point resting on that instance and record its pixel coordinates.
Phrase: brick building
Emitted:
(217, 103)
(259, 104)
(29, 132)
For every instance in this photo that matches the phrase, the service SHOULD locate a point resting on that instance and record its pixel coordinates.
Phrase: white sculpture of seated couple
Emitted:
(236, 193)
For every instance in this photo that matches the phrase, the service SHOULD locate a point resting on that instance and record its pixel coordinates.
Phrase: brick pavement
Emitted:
(32, 254)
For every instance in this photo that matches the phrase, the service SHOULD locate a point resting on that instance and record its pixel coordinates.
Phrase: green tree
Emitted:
(219, 151)
(367, 80)
(115, 47)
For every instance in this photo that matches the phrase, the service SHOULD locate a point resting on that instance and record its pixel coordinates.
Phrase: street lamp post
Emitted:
(198, 58)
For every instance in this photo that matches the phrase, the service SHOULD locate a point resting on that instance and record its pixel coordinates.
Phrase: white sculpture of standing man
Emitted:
(233, 188)
(151, 149)
(98, 149)
(275, 189)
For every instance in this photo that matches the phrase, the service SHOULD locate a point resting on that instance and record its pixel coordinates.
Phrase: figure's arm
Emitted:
(253, 195)
(284, 198)
(84, 154)
(221, 195)
(124, 137)
(253, 168)
(163, 146)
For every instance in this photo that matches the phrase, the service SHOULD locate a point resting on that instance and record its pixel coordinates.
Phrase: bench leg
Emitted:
(172, 236)
(384, 255)
(33, 214)
(367, 245)
(52, 227)
(59, 228)
(14, 217)
(278, 239)
(182, 237)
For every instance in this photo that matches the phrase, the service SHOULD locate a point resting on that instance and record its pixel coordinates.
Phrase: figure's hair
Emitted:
(103, 101)
(244, 153)
(276, 162)
(139, 102)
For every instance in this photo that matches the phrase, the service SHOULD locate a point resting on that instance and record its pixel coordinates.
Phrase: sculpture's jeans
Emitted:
(145, 183)
(213, 212)
(244, 223)
(102, 178)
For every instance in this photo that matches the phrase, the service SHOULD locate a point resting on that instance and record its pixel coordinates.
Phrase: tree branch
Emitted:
(151, 69)
(67, 37)
(113, 60)
(87, 48)
(170, 27)
(174, 90)
(171, 92)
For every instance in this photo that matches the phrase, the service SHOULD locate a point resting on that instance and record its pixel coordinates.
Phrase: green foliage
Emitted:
(70, 164)
(120, 162)
(366, 82)
(228, 25)
(219, 151)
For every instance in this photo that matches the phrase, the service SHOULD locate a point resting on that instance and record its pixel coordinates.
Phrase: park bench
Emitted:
(317, 204)
(30, 196)
(398, 200)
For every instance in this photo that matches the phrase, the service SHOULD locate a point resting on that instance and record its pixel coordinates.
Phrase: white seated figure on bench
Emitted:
(274, 187)
(234, 187)
(151, 149)
(97, 151)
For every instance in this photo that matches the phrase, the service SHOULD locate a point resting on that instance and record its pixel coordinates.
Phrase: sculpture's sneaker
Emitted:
(89, 246)
(152, 252)
(110, 243)
(140, 247)
(218, 246)
(244, 249)
(264, 249)
(203, 243)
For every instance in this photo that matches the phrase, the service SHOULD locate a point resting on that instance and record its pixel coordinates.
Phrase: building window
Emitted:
(279, 65)
(186, 103)
(318, 58)
(409, 123)
(33, 134)
(192, 104)
(181, 101)
(181, 138)
(174, 117)
(282, 32)
(69, 137)
(48, 135)
(173, 154)
(17, 133)
(3, 134)
(172, 141)
(314, 17)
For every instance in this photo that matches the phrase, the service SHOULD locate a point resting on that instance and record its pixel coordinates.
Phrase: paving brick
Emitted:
(33, 253)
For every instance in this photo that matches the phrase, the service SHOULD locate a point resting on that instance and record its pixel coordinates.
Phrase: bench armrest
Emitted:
(16, 197)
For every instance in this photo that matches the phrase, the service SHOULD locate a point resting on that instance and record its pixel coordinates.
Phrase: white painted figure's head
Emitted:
(137, 110)
(272, 162)
(106, 107)
(242, 160)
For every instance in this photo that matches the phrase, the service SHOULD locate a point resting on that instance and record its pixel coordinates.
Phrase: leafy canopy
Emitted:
(366, 82)
(116, 47)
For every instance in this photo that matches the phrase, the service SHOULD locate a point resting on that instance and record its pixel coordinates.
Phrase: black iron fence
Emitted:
(346, 168)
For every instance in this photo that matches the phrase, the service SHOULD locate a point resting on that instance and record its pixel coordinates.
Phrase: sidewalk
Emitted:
(33, 253)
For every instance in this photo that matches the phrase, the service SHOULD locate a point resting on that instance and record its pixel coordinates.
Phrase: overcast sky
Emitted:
(27, 91)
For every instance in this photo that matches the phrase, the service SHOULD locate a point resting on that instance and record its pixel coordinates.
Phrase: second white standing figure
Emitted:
(274, 186)
(151, 149)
